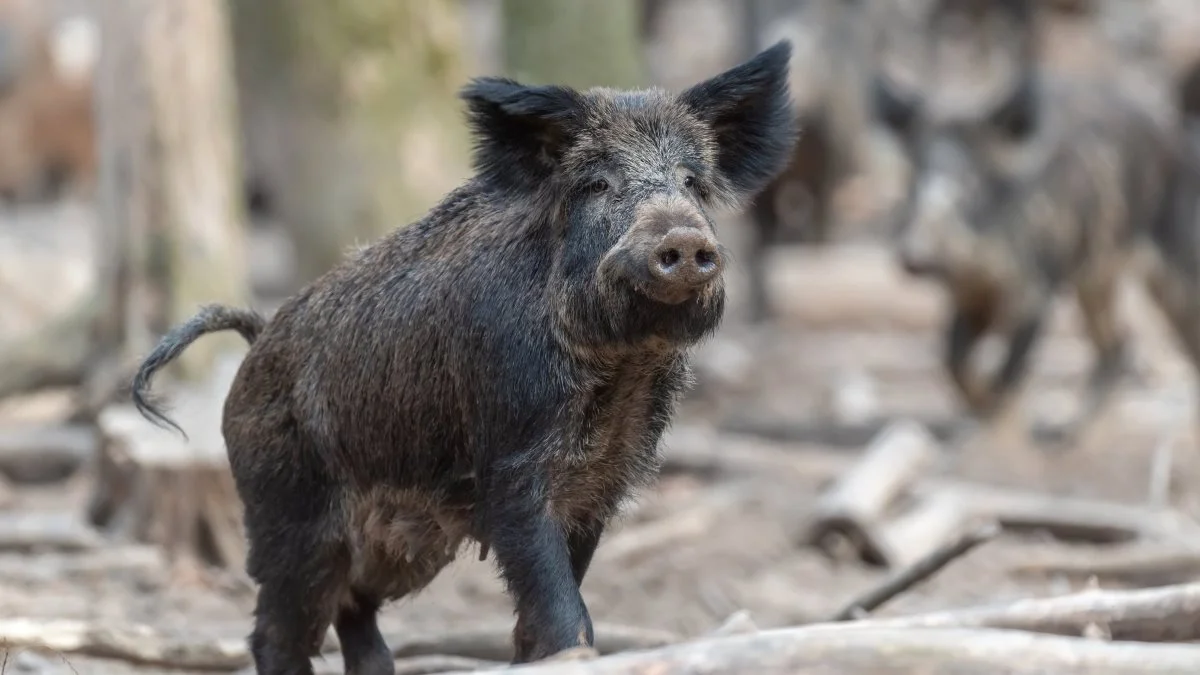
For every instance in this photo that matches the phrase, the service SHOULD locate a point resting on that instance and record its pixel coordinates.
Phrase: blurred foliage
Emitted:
(370, 90)
(582, 43)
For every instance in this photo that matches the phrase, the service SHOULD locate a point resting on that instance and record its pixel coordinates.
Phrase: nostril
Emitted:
(669, 257)
(705, 257)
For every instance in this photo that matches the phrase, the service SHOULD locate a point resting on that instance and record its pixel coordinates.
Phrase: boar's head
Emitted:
(625, 182)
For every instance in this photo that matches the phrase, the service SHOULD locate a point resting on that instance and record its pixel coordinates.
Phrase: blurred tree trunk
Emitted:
(357, 101)
(168, 202)
(171, 208)
(583, 43)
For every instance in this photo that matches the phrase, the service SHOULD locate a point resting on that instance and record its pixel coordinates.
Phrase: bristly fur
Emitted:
(501, 370)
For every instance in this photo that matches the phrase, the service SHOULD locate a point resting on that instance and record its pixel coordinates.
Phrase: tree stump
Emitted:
(155, 487)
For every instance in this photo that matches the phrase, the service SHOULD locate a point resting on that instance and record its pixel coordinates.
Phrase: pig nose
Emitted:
(686, 256)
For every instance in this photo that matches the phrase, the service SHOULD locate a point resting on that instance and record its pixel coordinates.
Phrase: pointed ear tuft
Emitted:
(749, 108)
(519, 131)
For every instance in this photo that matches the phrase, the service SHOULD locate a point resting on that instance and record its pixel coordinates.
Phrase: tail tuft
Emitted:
(210, 319)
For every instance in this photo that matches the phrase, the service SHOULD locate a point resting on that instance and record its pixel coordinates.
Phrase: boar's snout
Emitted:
(684, 261)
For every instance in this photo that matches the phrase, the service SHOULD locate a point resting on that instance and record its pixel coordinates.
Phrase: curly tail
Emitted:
(210, 319)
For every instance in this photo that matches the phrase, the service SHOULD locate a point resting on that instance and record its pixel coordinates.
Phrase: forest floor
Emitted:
(702, 544)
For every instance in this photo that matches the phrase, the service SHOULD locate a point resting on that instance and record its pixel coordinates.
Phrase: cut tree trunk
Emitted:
(154, 487)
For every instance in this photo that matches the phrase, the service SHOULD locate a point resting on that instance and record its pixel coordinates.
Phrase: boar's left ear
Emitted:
(750, 110)
(519, 131)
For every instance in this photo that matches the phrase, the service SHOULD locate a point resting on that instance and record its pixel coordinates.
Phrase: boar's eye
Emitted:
(689, 182)
(598, 186)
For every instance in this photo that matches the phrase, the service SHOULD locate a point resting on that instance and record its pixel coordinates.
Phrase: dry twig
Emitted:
(1165, 614)
(1131, 564)
(896, 651)
(916, 573)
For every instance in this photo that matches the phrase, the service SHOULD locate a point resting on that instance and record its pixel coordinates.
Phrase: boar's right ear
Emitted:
(749, 109)
(519, 131)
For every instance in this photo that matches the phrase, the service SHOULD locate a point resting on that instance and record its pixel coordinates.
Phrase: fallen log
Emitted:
(856, 503)
(1135, 564)
(1070, 518)
(45, 454)
(930, 525)
(92, 565)
(919, 570)
(896, 651)
(1166, 614)
(138, 645)
(28, 531)
(417, 665)
(494, 642)
(142, 645)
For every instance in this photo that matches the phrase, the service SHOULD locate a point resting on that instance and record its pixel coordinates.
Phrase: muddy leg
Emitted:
(300, 568)
(535, 560)
(363, 648)
(294, 608)
(1097, 302)
(581, 543)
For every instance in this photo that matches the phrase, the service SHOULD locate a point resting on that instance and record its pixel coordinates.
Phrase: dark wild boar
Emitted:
(1053, 184)
(500, 371)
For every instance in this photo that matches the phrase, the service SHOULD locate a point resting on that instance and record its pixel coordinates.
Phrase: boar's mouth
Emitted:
(684, 322)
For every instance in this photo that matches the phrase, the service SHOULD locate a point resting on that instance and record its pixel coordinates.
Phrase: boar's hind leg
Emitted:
(300, 566)
(363, 648)
(535, 558)
(296, 603)
(1097, 302)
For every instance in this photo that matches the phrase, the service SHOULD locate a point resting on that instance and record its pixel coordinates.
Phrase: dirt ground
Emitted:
(702, 544)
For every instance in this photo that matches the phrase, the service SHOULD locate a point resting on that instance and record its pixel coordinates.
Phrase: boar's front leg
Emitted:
(581, 543)
(534, 553)
(967, 327)
(1021, 339)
